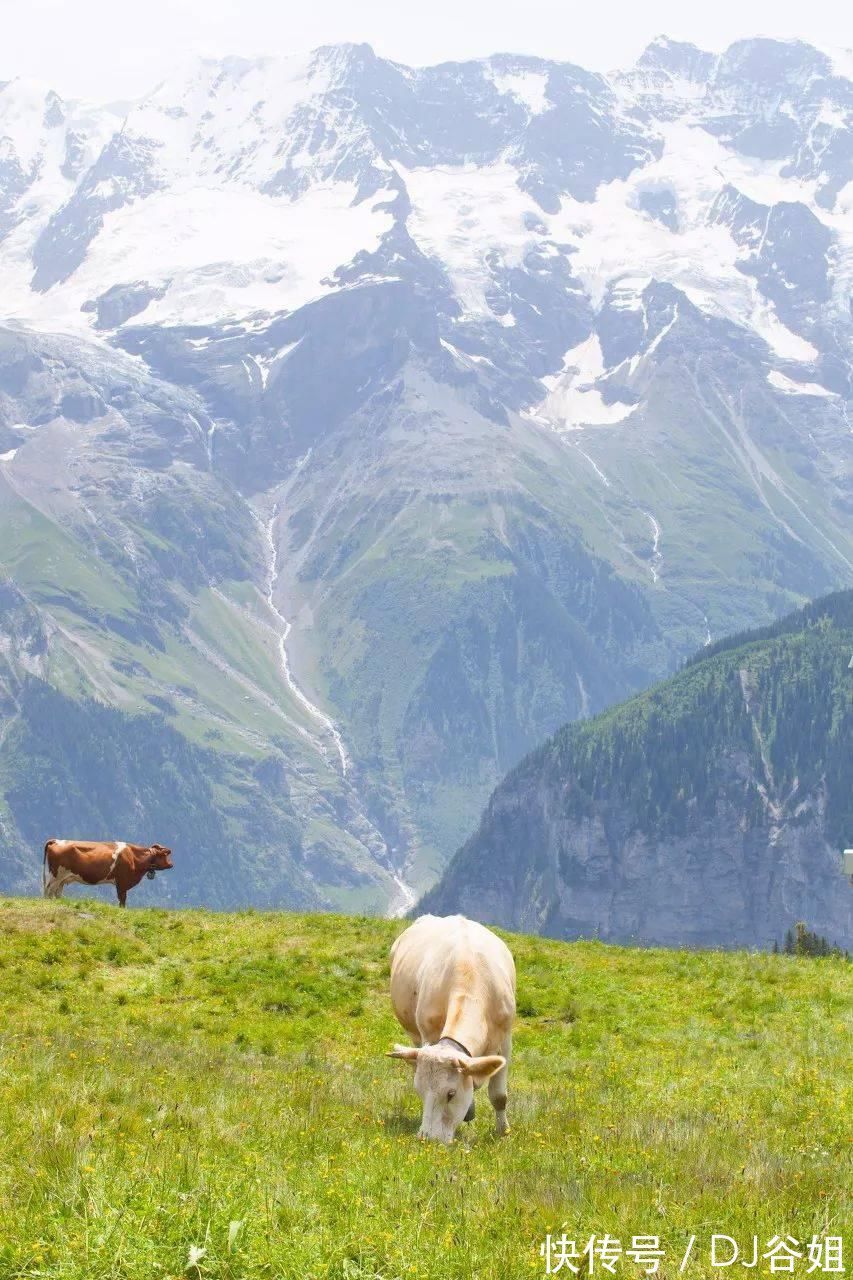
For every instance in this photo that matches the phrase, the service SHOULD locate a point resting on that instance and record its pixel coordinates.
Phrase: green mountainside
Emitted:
(141, 689)
(454, 587)
(709, 810)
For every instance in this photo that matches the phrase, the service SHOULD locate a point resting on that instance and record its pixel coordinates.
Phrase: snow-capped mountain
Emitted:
(518, 383)
(238, 189)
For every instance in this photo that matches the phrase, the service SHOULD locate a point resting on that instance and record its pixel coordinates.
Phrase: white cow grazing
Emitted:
(453, 989)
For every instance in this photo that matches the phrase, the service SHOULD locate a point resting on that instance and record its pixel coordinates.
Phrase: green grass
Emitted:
(49, 562)
(171, 1080)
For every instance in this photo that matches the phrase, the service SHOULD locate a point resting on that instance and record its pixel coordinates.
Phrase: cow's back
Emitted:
(436, 956)
(88, 860)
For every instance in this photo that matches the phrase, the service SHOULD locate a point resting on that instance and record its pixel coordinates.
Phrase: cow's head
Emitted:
(159, 858)
(446, 1082)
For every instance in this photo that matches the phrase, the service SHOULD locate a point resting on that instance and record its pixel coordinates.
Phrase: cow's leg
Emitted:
(122, 895)
(497, 1089)
(56, 884)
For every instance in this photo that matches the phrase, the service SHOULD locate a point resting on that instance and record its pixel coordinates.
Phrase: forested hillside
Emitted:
(74, 765)
(711, 809)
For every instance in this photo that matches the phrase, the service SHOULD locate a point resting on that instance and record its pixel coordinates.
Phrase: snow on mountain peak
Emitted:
(243, 187)
(528, 87)
(677, 59)
(33, 116)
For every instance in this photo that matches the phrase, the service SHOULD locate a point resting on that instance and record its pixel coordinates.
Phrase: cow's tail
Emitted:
(45, 874)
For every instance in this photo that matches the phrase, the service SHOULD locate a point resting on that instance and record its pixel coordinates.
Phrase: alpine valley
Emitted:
(361, 425)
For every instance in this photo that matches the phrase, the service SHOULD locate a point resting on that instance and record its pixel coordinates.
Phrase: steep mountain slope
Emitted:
(411, 413)
(138, 580)
(710, 810)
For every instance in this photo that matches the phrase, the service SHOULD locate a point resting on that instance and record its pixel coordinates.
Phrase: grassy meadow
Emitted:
(193, 1094)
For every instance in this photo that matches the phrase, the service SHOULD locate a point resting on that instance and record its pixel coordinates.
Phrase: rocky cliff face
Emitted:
(716, 885)
(710, 811)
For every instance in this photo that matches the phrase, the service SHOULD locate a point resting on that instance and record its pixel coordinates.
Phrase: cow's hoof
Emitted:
(470, 1113)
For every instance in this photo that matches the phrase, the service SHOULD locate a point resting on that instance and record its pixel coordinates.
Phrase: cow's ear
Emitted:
(406, 1052)
(480, 1069)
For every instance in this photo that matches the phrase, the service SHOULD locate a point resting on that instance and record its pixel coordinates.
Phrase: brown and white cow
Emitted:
(101, 862)
(453, 989)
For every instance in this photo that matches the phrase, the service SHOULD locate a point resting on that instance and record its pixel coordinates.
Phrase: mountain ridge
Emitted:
(544, 375)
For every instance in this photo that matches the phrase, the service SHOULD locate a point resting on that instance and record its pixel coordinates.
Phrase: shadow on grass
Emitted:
(399, 1122)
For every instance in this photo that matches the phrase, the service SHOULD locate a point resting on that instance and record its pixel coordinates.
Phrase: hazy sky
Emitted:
(107, 49)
